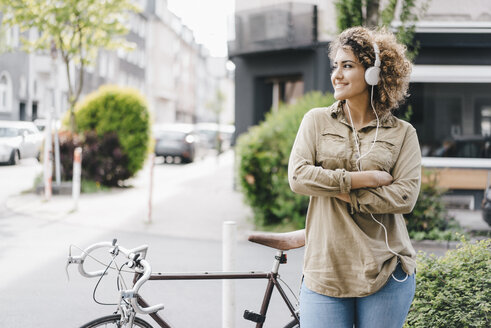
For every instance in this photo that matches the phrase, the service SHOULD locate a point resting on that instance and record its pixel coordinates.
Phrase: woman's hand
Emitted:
(381, 178)
(370, 179)
(367, 179)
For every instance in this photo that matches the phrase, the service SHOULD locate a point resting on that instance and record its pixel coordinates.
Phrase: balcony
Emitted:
(285, 26)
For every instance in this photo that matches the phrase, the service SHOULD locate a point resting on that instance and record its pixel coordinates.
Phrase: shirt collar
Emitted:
(388, 120)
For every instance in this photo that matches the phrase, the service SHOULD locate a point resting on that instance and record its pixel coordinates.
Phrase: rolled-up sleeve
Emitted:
(303, 175)
(400, 196)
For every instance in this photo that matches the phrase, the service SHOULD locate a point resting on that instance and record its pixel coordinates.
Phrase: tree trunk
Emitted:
(372, 17)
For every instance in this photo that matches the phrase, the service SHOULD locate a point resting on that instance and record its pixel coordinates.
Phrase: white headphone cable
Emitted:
(358, 165)
(360, 156)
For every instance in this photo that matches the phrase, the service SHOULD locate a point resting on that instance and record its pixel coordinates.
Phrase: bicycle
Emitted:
(131, 303)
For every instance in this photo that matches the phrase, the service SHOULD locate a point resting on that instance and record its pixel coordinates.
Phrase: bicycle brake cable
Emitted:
(120, 283)
(291, 291)
(100, 279)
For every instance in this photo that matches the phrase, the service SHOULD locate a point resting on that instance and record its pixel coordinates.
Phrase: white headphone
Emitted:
(372, 74)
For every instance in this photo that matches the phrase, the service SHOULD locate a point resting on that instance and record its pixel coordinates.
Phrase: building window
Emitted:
(5, 93)
(12, 37)
(285, 89)
(103, 70)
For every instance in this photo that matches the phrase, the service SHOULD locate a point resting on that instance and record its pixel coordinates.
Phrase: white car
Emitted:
(19, 139)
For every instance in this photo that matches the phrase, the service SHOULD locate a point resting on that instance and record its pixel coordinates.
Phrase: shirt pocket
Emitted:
(382, 157)
(331, 150)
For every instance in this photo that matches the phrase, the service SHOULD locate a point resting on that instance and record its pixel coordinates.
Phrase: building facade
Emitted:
(167, 66)
(29, 88)
(280, 51)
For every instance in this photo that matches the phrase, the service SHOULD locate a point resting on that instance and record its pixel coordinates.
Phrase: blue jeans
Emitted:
(386, 308)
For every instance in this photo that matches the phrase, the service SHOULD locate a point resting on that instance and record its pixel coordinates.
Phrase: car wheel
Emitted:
(14, 157)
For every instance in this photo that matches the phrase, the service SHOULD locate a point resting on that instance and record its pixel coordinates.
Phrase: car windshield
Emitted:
(8, 132)
(170, 135)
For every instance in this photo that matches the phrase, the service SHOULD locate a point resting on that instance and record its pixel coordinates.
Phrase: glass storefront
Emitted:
(452, 119)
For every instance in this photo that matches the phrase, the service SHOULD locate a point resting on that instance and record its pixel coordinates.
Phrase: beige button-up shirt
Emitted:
(346, 253)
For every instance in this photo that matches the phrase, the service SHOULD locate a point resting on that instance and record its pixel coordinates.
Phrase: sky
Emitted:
(207, 19)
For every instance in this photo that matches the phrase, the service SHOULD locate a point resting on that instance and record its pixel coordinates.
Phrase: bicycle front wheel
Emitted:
(114, 321)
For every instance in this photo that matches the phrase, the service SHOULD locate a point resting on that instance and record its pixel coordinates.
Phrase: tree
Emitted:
(216, 107)
(370, 13)
(76, 29)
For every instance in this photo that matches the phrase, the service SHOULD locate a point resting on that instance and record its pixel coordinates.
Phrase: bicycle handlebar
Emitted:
(133, 293)
(130, 254)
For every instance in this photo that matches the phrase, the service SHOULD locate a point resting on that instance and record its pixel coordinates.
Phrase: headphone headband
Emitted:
(372, 74)
(377, 55)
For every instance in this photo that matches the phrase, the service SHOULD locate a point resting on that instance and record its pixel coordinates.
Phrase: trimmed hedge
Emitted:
(454, 290)
(263, 154)
(429, 218)
(123, 111)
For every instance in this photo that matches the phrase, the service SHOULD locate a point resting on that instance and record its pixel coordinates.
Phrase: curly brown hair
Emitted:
(395, 68)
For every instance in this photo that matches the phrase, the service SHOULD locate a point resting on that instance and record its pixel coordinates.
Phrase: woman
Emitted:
(361, 167)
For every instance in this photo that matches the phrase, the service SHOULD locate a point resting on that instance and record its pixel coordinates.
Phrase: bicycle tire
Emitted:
(292, 324)
(112, 321)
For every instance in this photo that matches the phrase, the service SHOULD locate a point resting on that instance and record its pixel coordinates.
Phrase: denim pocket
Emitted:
(399, 274)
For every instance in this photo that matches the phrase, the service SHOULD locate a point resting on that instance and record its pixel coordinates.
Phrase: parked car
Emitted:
(177, 141)
(469, 146)
(19, 139)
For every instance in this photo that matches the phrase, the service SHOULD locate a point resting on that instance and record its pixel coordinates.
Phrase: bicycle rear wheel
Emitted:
(113, 321)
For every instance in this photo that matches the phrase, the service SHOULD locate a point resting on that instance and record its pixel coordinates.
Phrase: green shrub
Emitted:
(263, 154)
(454, 290)
(123, 111)
(429, 218)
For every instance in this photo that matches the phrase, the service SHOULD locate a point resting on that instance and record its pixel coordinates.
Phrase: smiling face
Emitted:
(348, 76)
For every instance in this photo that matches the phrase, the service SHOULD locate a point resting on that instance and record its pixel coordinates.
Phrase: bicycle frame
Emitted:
(270, 276)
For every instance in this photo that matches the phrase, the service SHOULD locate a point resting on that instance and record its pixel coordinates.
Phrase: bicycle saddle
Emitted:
(282, 241)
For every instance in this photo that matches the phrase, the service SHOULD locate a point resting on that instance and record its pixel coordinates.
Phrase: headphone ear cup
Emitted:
(372, 75)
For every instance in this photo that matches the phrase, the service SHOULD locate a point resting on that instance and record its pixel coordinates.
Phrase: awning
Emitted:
(451, 73)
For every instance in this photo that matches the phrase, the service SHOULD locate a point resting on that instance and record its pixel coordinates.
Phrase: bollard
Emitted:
(77, 171)
(48, 174)
(152, 165)
(228, 264)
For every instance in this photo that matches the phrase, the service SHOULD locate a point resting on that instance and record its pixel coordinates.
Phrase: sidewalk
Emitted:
(193, 207)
